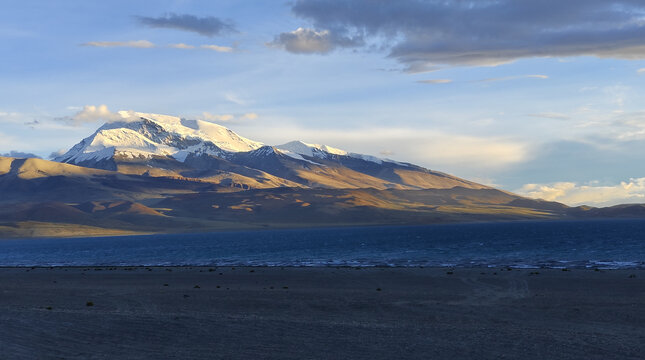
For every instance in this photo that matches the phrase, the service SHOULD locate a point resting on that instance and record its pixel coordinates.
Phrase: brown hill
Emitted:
(44, 198)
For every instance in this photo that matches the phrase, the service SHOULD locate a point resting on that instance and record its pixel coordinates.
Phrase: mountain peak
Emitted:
(145, 135)
(312, 150)
(297, 149)
(170, 146)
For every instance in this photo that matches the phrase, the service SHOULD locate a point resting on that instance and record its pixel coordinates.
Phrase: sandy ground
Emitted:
(320, 313)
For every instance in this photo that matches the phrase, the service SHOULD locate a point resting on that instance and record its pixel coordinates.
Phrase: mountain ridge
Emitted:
(161, 145)
(43, 199)
(166, 175)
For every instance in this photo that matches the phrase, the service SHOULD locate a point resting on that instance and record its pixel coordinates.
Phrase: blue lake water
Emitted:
(572, 244)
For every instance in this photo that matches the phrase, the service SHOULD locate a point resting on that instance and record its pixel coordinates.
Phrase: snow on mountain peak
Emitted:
(142, 134)
(297, 149)
(134, 134)
(219, 135)
(312, 150)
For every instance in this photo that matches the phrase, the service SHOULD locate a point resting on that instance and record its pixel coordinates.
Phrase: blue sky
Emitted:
(542, 98)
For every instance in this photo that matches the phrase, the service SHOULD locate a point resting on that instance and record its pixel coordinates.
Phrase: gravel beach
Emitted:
(320, 313)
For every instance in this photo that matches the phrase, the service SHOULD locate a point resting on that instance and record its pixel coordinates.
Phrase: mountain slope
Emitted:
(37, 180)
(406, 175)
(44, 198)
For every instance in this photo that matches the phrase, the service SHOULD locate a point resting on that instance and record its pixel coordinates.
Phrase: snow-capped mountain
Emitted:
(138, 135)
(297, 149)
(161, 145)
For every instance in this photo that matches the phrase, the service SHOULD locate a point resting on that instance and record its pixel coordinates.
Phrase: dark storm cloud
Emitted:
(424, 34)
(207, 26)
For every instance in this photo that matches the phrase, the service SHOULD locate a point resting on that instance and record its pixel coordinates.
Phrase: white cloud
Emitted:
(142, 44)
(224, 49)
(56, 153)
(435, 81)
(181, 46)
(228, 118)
(641, 71)
(593, 194)
(234, 98)
(624, 126)
(445, 151)
(13, 117)
(217, 117)
(469, 150)
(92, 113)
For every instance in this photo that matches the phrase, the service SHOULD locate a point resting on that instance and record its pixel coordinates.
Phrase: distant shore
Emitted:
(321, 313)
(42, 230)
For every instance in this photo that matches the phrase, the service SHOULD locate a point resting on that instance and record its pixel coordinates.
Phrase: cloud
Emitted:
(506, 78)
(641, 71)
(250, 116)
(13, 117)
(218, 48)
(310, 41)
(599, 155)
(90, 114)
(571, 193)
(484, 33)
(141, 44)
(206, 26)
(470, 150)
(431, 148)
(217, 117)
(57, 153)
(181, 46)
(627, 126)
(228, 118)
(234, 98)
(19, 154)
(550, 115)
(435, 81)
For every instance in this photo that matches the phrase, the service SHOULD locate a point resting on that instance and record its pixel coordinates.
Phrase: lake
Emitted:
(530, 244)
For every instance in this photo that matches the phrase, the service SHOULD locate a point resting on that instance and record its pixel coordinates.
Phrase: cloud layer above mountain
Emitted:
(91, 114)
(425, 34)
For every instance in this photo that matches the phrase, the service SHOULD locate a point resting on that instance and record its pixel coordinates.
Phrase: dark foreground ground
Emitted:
(320, 313)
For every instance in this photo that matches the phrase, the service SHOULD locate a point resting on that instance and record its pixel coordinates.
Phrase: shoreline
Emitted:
(253, 227)
(320, 312)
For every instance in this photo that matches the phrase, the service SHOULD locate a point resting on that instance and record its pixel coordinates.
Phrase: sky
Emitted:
(542, 98)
